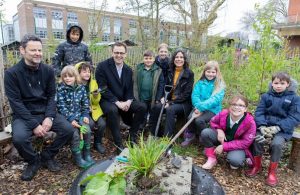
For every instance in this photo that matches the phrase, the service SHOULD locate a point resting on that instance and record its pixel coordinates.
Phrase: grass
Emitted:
(143, 157)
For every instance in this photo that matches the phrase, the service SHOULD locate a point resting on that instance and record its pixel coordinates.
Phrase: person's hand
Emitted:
(127, 105)
(263, 130)
(83, 129)
(219, 149)
(167, 105)
(260, 139)
(162, 100)
(47, 124)
(75, 124)
(86, 120)
(39, 131)
(221, 136)
(274, 129)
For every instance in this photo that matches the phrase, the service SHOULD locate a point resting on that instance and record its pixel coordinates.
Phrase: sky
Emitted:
(228, 17)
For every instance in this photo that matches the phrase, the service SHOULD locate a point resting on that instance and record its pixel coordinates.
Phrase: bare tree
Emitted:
(200, 13)
(277, 7)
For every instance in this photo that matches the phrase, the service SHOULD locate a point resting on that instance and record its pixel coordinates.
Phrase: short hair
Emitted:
(282, 76)
(237, 97)
(186, 62)
(84, 66)
(70, 71)
(148, 53)
(27, 38)
(162, 45)
(119, 44)
(75, 29)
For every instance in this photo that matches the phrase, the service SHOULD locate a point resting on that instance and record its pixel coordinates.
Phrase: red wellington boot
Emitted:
(272, 178)
(256, 168)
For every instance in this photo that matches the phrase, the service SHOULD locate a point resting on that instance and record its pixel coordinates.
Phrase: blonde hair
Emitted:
(70, 71)
(219, 81)
(162, 45)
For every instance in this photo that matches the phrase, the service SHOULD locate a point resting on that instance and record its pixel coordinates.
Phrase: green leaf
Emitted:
(117, 186)
(99, 184)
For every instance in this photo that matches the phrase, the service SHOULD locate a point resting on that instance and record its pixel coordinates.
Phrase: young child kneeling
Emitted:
(232, 131)
(276, 116)
(73, 103)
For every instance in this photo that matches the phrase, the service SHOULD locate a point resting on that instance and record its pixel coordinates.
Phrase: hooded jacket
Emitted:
(164, 65)
(244, 135)
(157, 85)
(72, 102)
(279, 109)
(69, 52)
(203, 99)
(30, 92)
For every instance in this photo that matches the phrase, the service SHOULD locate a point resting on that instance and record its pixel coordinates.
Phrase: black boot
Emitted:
(87, 154)
(31, 170)
(98, 142)
(79, 161)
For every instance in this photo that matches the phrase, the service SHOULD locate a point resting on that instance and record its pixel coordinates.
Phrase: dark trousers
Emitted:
(171, 112)
(201, 122)
(98, 127)
(133, 117)
(276, 147)
(21, 137)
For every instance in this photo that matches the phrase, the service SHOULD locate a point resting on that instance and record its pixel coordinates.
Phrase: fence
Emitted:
(134, 57)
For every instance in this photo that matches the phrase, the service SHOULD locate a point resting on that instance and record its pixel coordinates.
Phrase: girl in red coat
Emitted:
(232, 131)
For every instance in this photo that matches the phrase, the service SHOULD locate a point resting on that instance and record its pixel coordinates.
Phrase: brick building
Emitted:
(49, 21)
(290, 28)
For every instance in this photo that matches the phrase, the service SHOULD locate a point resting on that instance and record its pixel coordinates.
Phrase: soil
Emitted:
(233, 181)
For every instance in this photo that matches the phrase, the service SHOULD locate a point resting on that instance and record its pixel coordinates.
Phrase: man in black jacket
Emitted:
(30, 88)
(114, 75)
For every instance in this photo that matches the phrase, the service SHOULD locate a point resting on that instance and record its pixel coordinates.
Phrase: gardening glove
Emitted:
(263, 130)
(260, 139)
(83, 129)
(274, 129)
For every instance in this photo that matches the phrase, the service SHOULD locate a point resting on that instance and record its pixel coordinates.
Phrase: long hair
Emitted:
(70, 71)
(219, 81)
(186, 62)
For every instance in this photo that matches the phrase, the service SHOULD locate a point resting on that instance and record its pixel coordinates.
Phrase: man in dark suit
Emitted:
(114, 75)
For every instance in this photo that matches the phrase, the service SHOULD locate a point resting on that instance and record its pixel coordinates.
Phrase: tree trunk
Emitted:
(294, 161)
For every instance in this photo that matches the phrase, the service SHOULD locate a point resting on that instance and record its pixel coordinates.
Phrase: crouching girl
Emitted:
(232, 131)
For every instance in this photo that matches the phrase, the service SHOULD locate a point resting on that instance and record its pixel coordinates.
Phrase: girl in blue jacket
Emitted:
(73, 103)
(207, 97)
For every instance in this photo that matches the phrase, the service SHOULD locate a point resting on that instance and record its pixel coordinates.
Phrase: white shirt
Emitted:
(119, 69)
(236, 122)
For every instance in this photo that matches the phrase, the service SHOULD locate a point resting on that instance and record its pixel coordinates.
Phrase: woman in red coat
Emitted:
(232, 131)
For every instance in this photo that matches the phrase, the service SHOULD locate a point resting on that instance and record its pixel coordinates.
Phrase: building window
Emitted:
(173, 38)
(132, 38)
(147, 30)
(117, 29)
(106, 25)
(117, 37)
(132, 24)
(72, 18)
(106, 37)
(39, 12)
(40, 19)
(57, 34)
(57, 20)
(41, 33)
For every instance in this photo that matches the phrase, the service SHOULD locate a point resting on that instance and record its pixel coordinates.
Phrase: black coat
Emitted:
(117, 89)
(183, 89)
(30, 92)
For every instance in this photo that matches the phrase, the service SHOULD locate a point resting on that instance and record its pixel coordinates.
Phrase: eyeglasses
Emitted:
(119, 53)
(238, 105)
